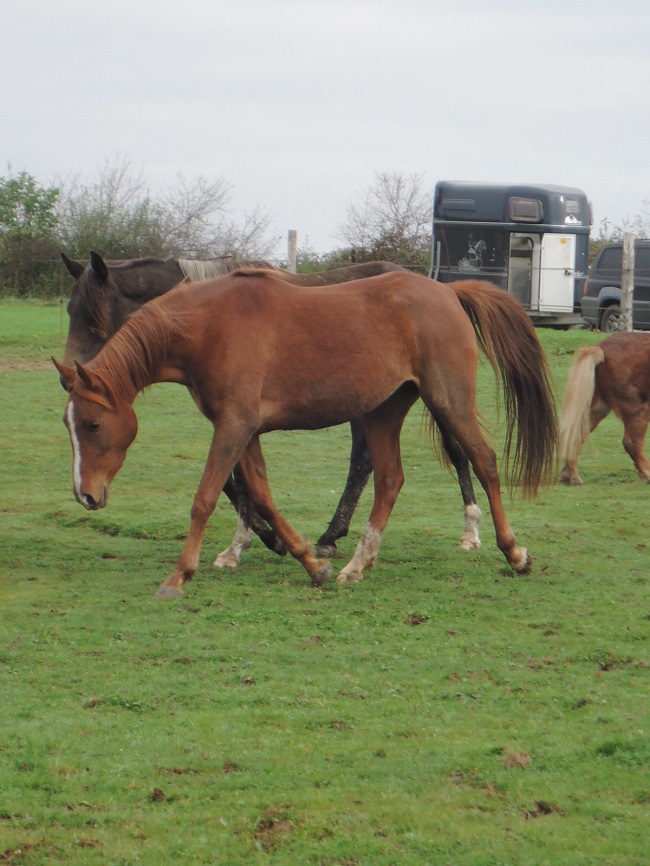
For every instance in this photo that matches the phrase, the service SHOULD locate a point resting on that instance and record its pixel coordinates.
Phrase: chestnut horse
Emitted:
(104, 295)
(615, 375)
(364, 349)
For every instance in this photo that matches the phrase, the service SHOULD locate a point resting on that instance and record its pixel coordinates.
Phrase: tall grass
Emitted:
(441, 712)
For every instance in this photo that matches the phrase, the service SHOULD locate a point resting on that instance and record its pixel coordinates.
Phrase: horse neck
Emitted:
(143, 280)
(138, 354)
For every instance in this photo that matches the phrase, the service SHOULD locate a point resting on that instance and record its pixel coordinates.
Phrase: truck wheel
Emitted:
(609, 319)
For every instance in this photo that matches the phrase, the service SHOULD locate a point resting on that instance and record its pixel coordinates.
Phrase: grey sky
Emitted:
(297, 104)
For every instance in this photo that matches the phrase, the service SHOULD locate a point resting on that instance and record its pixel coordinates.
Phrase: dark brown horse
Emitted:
(366, 349)
(105, 293)
(613, 376)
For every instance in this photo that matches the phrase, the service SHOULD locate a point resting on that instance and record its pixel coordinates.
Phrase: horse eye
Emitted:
(93, 426)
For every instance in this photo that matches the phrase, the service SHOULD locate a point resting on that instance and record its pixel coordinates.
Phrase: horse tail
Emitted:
(581, 384)
(507, 337)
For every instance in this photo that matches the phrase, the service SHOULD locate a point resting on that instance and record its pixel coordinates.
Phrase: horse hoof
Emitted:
(524, 562)
(323, 575)
(470, 544)
(223, 561)
(326, 550)
(572, 480)
(169, 592)
(349, 577)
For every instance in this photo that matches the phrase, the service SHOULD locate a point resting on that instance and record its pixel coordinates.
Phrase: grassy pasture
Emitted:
(442, 712)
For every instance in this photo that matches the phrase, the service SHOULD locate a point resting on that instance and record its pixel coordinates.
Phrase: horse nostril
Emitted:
(89, 501)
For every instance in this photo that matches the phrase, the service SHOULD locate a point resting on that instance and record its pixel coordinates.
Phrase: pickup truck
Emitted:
(601, 299)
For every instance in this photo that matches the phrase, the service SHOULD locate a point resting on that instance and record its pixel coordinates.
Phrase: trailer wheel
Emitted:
(610, 318)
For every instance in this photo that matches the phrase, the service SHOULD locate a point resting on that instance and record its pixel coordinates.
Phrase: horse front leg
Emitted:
(254, 472)
(225, 449)
(358, 474)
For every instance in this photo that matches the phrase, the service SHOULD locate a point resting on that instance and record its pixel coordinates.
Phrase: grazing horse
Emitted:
(364, 349)
(105, 294)
(615, 375)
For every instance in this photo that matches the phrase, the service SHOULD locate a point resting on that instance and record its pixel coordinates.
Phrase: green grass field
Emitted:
(442, 712)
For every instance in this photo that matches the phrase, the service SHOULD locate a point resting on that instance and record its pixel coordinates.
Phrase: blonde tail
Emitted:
(574, 425)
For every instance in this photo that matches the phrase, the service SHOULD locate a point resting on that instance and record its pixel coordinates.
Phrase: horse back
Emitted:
(625, 371)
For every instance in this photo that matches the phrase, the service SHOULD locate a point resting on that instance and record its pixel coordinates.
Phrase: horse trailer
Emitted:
(531, 240)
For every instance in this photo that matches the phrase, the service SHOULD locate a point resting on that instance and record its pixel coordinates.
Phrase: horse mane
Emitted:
(132, 358)
(92, 297)
(128, 264)
(197, 271)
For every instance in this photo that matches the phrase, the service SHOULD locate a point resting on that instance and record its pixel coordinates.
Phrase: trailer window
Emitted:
(525, 210)
(454, 207)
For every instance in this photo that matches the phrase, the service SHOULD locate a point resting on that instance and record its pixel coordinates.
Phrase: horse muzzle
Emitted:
(90, 502)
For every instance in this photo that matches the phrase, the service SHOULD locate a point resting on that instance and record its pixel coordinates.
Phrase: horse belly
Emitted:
(324, 402)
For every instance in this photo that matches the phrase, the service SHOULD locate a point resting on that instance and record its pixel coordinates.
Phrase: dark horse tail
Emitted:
(506, 335)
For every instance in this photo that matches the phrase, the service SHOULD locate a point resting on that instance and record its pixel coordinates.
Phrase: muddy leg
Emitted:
(358, 474)
(470, 539)
(249, 522)
(461, 423)
(254, 473)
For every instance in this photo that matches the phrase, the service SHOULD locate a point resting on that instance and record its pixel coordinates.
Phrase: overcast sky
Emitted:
(298, 103)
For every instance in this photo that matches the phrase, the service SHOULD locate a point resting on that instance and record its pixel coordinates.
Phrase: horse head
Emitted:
(90, 309)
(101, 428)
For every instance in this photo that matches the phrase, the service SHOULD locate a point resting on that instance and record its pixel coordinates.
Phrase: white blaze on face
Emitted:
(76, 451)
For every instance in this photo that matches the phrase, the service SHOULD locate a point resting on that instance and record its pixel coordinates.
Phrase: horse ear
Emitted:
(75, 269)
(66, 373)
(91, 380)
(99, 267)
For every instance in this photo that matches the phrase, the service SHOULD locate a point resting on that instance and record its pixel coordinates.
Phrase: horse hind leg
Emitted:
(635, 428)
(382, 428)
(461, 423)
(470, 539)
(358, 474)
(569, 475)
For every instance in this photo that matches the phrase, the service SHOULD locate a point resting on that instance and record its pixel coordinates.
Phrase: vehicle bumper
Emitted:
(589, 310)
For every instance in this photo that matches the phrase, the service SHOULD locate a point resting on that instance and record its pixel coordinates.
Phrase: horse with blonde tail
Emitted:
(259, 354)
(613, 376)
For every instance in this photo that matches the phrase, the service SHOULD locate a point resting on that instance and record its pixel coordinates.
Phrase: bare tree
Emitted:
(250, 238)
(392, 219)
(117, 216)
(114, 214)
(193, 211)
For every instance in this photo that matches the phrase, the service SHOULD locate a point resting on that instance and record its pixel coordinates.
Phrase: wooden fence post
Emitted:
(625, 323)
(292, 251)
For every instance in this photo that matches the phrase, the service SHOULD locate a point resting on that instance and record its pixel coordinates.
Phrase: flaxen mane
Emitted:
(196, 271)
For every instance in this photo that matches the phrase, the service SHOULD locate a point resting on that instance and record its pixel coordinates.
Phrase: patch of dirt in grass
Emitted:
(26, 365)
(520, 760)
(416, 619)
(89, 843)
(541, 809)
(272, 828)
